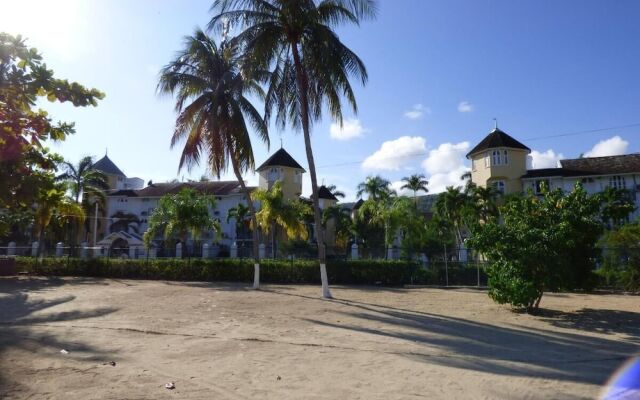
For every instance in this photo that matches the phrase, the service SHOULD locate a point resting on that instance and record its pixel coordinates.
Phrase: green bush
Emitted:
(371, 272)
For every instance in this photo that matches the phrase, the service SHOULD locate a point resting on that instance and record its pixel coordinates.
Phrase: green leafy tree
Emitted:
(617, 205)
(622, 255)
(25, 162)
(275, 211)
(416, 183)
(212, 87)
(545, 244)
(311, 66)
(181, 214)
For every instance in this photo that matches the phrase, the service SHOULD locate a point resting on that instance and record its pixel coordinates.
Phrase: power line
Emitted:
(422, 154)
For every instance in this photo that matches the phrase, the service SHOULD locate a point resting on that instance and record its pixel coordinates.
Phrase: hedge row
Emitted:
(370, 272)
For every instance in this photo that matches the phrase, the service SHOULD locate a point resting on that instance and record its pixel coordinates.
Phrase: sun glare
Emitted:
(49, 25)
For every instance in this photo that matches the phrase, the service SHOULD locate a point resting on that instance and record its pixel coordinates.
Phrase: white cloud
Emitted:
(351, 128)
(465, 107)
(547, 159)
(395, 154)
(417, 111)
(610, 147)
(445, 165)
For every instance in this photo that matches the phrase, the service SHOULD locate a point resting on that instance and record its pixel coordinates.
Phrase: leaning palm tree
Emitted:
(311, 66)
(416, 183)
(375, 187)
(211, 87)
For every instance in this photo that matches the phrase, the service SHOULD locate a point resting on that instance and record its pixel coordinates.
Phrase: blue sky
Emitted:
(439, 72)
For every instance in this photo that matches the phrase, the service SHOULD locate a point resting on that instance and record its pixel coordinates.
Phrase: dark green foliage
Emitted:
(371, 272)
(543, 244)
(621, 257)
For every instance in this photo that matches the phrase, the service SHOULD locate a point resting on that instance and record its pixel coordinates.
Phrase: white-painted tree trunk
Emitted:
(256, 276)
(326, 293)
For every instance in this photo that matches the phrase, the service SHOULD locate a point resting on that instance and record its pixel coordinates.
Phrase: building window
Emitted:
(505, 154)
(486, 160)
(617, 182)
(540, 183)
(499, 186)
(499, 157)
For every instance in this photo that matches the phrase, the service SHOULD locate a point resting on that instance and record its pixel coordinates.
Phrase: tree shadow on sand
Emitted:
(604, 321)
(20, 313)
(473, 345)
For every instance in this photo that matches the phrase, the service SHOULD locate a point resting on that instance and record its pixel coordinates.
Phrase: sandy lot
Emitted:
(227, 342)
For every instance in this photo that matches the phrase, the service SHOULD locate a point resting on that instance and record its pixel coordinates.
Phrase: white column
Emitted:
(424, 259)
(261, 250)
(179, 250)
(132, 252)
(354, 252)
(34, 249)
(83, 250)
(390, 253)
(152, 252)
(205, 250)
(233, 251)
(11, 249)
(59, 249)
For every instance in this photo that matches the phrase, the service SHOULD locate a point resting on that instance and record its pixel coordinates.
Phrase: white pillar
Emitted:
(34, 249)
(233, 251)
(132, 252)
(424, 259)
(83, 250)
(205, 250)
(59, 249)
(11, 249)
(261, 250)
(390, 253)
(152, 252)
(179, 250)
(354, 251)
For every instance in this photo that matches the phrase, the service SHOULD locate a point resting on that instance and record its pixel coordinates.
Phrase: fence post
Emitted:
(11, 249)
(233, 250)
(354, 251)
(205, 250)
(59, 249)
(179, 250)
(34, 249)
(446, 267)
(261, 250)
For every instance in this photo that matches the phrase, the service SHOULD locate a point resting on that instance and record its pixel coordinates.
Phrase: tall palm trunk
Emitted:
(254, 232)
(301, 80)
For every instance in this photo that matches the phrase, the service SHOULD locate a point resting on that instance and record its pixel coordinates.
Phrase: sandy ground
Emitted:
(227, 342)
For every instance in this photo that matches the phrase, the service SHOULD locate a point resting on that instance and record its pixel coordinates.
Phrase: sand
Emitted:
(224, 341)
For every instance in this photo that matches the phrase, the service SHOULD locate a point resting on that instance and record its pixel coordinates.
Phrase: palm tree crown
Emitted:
(311, 66)
(375, 187)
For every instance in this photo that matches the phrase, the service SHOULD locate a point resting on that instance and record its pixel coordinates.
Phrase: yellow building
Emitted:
(499, 160)
(282, 167)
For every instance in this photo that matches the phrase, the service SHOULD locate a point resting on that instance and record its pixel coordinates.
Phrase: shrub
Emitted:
(392, 273)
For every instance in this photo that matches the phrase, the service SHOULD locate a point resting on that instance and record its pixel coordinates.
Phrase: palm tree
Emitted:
(311, 65)
(415, 182)
(123, 221)
(50, 201)
(451, 206)
(241, 214)
(181, 214)
(484, 201)
(87, 186)
(334, 191)
(342, 223)
(375, 187)
(211, 87)
(276, 211)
